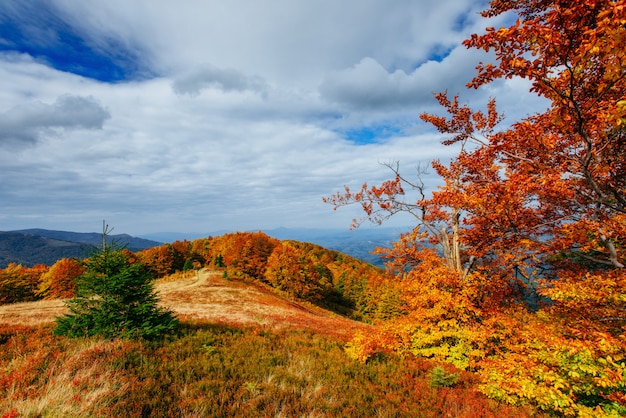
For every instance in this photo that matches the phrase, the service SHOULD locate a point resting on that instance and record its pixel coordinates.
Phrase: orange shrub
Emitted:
(59, 280)
(19, 284)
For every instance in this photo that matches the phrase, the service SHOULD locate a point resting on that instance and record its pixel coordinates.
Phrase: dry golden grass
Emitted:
(206, 296)
(80, 380)
(31, 313)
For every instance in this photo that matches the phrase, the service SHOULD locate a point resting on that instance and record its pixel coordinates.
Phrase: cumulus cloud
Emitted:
(26, 122)
(210, 76)
(283, 42)
(368, 85)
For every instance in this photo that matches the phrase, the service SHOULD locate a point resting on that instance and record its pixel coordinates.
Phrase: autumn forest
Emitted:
(507, 298)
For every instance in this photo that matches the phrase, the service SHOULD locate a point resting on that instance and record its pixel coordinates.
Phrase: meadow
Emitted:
(241, 351)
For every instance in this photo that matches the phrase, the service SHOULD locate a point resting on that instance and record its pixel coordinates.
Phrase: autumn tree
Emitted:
(201, 250)
(243, 253)
(295, 271)
(541, 203)
(381, 202)
(553, 184)
(19, 283)
(60, 280)
(574, 56)
(161, 260)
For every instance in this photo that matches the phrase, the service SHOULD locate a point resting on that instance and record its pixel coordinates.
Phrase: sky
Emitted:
(206, 115)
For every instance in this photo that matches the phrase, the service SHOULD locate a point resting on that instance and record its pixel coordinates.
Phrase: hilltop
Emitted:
(206, 296)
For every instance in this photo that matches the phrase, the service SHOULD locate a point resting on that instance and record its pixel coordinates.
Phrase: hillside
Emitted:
(29, 247)
(206, 296)
(242, 351)
(271, 290)
(29, 250)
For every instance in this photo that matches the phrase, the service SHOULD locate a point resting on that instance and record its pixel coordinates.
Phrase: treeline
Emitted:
(306, 271)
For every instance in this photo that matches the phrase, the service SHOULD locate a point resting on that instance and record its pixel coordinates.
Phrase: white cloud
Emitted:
(251, 140)
(27, 121)
(293, 42)
(225, 79)
(368, 85)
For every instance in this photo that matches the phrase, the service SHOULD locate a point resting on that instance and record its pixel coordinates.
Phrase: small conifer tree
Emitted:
(115, 298)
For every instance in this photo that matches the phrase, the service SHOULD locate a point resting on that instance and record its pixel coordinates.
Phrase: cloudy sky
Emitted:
(207, 115)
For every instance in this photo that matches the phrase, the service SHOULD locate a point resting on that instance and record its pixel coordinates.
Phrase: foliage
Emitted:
(575, 150)
(59, 281)
(19, 283)
(115, 298)
(548, 363)
(439, 378)
(441, 314)
(243, 254)
(529, 224)
(298, 272)
(161, 260)
(169, 258)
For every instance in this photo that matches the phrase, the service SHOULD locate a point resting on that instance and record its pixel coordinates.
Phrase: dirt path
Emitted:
(206, 296)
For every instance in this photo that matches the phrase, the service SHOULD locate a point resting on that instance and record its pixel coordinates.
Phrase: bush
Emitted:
(59, 280)
(115, 298)
(440, 379)
(19, 283)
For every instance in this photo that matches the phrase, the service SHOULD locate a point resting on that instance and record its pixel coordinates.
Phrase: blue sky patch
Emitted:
(370, 134)
(35, 28)
(439, 53)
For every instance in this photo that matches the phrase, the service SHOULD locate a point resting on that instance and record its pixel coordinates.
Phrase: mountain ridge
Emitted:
(30, 247)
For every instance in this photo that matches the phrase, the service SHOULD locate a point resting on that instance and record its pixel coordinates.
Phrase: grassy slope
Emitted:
(241, 351)
(206, 296)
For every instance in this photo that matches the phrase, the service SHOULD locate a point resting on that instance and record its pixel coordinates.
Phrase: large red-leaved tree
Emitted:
(539, 205)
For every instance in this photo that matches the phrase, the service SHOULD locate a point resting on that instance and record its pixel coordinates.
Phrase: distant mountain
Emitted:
(180, 236)
(93, 238)
(40, 246)
(28, 250)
